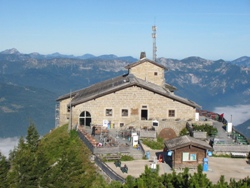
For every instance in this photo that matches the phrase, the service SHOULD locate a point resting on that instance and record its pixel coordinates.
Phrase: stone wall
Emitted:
(227, 149)
(133, 99)
(64, 115)
(149, 72)
(147, 134)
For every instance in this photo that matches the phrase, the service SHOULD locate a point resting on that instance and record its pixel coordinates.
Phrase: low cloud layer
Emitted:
(240, 113)
(7, 144)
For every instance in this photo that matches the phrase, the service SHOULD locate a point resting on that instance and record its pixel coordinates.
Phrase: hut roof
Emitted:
(183, 141)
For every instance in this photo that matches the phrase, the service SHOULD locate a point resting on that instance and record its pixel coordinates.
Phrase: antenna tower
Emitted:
(154, 42)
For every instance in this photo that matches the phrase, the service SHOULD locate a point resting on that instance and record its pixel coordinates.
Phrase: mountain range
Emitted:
(30, 83)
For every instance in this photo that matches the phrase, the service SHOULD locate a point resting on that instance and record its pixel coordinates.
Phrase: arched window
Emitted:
(85, 118)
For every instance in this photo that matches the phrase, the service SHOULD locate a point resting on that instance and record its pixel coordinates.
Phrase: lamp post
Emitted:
(70, 118)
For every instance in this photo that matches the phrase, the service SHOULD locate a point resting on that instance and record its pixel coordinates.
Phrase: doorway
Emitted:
(144, 114)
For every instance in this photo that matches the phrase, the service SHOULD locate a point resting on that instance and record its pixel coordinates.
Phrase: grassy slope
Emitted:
(69, 153)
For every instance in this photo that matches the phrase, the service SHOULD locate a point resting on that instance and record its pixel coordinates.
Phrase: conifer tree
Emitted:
(151, 177)
(115, 184)
(130, 182)
(32, 137)
(4, 168)
(199, 179)
(140, 183)
(222, 183)
(24, 161)
(166, 180)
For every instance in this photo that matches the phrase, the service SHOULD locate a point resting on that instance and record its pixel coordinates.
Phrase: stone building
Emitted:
(139, 98)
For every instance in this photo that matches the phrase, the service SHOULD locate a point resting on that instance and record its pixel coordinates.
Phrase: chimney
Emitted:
(143, 55)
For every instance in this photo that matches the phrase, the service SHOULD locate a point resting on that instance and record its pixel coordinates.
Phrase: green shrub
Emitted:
(159, 144)
(205, 128)
(126, 158)
(222, 155)
(184, 131)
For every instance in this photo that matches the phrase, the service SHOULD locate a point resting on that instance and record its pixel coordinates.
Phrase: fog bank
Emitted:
(7, 144)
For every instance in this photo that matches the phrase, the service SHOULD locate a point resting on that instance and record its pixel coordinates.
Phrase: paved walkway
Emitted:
(137, 167)
(229, 167)
(222, 134)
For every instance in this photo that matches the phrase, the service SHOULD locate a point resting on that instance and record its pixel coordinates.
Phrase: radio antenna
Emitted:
(154, 42)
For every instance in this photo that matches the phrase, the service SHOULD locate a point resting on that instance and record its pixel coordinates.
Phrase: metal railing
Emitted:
(105, 168)
(110, 172)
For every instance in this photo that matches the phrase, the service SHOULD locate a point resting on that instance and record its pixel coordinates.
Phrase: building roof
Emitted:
(170, 87)
(143, 60)
(183, 141)
(119, 83)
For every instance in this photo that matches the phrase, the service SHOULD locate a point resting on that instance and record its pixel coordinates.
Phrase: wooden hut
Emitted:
(185, 151)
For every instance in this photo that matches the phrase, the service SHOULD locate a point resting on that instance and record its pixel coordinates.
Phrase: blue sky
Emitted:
(214, 29)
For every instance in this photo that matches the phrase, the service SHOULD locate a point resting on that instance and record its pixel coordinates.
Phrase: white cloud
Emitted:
(7, 144)
(239, 113)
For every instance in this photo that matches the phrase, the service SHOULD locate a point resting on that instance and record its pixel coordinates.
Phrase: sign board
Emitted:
(105, 123)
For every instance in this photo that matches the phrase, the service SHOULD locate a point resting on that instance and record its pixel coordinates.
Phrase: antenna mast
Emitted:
(154, 42)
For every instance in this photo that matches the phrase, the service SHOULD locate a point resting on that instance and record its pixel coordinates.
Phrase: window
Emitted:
(192, 157)
(124, 112)
(68, 108)
(109, 112)
(155, 73)
(144, 106)
(121, 124)
(171, 113)
(186, 156)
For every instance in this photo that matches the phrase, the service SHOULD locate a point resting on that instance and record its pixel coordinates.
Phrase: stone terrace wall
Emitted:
(227, 149)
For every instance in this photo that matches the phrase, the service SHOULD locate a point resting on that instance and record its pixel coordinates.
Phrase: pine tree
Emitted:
(4, 168)
(115, 184)
(130, 182)
(32, 137)
(199, 179)
(222, 183)
(25, 166)
(151, 177)
(166, 180)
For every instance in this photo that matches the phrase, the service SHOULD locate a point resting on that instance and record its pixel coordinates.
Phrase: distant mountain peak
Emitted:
(108, 56)
(34, 53)
(55, 54)
(10, 51)
(242, 61)
(194, 58)
(87, 56)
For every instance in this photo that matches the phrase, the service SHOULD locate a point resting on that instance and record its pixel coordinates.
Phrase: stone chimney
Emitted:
(143, 55)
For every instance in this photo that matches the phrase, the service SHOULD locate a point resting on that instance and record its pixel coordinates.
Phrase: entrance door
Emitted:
(144, 114)
(85, 118)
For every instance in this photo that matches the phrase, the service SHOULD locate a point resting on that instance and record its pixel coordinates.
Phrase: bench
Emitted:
(238, 155)
(117, 163)
(124, 169)
(112, 157)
